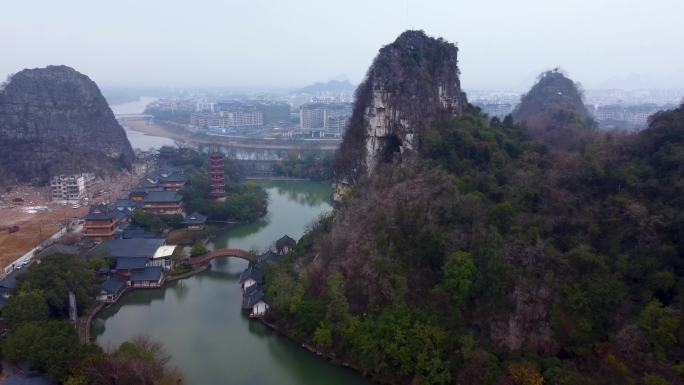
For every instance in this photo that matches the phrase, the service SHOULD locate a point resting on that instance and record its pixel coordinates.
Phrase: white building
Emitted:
(328, 116)
(71, 188)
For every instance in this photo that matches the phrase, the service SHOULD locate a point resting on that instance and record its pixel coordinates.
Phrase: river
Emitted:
(199, 318)
(140, 140)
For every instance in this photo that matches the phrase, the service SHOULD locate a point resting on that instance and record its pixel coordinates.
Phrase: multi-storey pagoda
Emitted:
(217, 179)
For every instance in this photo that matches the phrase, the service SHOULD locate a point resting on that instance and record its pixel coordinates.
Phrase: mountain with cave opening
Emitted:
(472, 250)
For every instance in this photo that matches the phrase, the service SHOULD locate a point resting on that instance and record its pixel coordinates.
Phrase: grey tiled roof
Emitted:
(131, 263)
(195, 219)
(150, 273)
(136, 247)
(162, 197)
(268, 256)
(253, 272)
(113, 285)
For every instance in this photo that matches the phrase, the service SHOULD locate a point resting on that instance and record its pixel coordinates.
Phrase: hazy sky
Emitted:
(503, 43)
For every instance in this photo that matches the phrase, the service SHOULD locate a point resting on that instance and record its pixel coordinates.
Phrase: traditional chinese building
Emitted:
(216, 172)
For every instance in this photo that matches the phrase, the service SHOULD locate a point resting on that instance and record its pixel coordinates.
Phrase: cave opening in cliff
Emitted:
(392, 146)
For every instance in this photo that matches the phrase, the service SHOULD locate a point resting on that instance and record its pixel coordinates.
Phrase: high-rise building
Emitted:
(327, 116)
(312, 115)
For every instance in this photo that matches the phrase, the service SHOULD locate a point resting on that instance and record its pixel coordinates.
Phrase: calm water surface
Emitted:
(140, 140)
(199, 319)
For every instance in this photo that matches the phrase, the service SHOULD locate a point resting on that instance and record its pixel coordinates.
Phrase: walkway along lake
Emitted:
(199, 319)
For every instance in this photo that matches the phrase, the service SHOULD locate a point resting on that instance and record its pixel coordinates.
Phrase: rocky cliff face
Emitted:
(411, 81)
(554, 102)
(55, 120)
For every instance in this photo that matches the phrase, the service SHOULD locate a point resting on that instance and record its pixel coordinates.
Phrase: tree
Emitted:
(51, 347)
(139, 361)
(323, 336)
(338, 307)
(459, 274)
(54, 277)
(198, 249)
(25, 307)
(661, 323)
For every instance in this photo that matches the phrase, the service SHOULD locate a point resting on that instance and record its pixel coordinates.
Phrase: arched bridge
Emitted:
(220, 253)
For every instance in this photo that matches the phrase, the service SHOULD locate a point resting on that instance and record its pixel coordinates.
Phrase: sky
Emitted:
(503, 44)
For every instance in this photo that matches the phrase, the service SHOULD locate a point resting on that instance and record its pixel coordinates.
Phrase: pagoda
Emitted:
(217, 179)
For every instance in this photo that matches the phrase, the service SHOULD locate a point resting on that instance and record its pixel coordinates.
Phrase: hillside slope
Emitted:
(55, 120)
(554, 102)
(494, 258)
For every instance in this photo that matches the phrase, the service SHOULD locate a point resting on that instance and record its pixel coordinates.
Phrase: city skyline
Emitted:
(273, 44)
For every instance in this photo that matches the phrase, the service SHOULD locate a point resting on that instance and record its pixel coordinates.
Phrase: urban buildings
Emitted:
(71, 188)
(326, 116)
(229, 117)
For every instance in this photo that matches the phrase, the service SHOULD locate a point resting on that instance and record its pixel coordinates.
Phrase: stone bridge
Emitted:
(220, 253)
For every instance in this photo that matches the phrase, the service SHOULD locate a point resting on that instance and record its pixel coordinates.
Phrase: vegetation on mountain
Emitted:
(495, 256)
(552, 108)
(312, 165)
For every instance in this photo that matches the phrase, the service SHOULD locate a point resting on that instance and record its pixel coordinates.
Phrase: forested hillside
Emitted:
(495, 257)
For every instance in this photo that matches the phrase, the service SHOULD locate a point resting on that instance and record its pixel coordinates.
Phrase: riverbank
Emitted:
(200, 320)
(177, 132)
(84, 325)
(286, 178)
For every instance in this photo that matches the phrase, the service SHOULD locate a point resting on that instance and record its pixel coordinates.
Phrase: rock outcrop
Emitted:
(55, 120)
(410, 83)
(554, 102)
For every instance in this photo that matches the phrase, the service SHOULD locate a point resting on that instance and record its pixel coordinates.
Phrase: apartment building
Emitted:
(71, 188)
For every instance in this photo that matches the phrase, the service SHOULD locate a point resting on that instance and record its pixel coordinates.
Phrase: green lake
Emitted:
(199, 319)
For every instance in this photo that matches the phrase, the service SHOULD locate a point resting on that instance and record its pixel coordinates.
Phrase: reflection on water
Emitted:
(200, 321)
(306, 194)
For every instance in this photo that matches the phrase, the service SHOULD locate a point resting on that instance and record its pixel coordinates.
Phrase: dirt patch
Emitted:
(37, 218)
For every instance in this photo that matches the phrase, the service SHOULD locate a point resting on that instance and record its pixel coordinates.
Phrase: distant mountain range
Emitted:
(332, 86)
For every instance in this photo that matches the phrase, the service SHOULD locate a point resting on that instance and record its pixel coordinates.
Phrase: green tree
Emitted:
(661, 323)
(198, 249)
(25, 307)
(51, 347)
(338, 314)
(54, 277)
(323, 336)
(459, 274)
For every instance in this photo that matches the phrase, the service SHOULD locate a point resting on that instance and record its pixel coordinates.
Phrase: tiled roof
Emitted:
(135, 247)
(150, 273)
(255, 297)
(146, 183)
(124, 204)
(11, 280)
(253, 272)
(113, 285)
(195, 219)
(174, 177)
(268, 256)
(162, 197)
(131, 263)
(285, 241)
(99, 212)
(57, 248)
